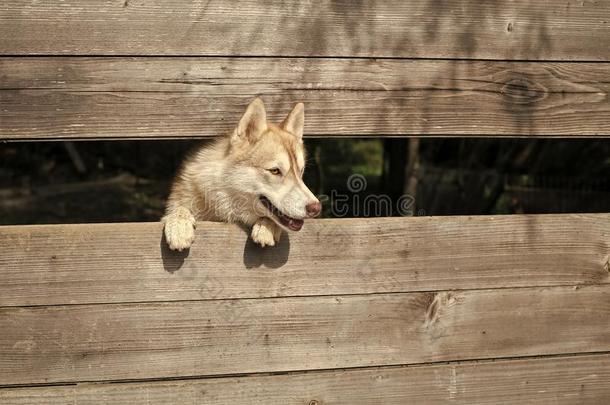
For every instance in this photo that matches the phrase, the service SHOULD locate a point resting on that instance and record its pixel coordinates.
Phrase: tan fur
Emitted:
(223, 181)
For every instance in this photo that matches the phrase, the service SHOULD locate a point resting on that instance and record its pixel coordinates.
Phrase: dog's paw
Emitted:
(179, 231)
(265, 232)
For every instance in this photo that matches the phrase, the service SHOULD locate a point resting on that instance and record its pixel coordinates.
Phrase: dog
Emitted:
(253, 176)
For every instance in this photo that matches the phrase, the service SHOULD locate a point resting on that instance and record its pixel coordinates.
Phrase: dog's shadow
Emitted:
(271, 256)
(172, 259)
(254, 255)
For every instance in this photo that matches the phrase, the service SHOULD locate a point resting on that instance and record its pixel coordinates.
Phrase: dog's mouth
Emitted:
(291, 223)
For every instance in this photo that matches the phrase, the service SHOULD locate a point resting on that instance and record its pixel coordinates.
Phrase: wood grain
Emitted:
(105, 98)
(562, 380)
(104, 263)
(521, 29)
(156, 340)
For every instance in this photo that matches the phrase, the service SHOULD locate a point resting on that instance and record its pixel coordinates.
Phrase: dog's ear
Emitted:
(295, 120)
(252, 124)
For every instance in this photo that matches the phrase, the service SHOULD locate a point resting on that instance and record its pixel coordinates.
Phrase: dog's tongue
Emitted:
(295, 224)
(291, 223)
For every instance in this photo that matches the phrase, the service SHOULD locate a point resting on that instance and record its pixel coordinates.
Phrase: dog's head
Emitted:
(268, 163)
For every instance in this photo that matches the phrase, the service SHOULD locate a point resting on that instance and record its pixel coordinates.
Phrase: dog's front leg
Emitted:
(265, 232)
(179, 228)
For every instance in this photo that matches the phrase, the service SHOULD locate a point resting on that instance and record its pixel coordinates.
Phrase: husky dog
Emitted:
(253, 176)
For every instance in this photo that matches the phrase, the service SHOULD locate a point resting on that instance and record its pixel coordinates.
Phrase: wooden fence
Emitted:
(387, 310)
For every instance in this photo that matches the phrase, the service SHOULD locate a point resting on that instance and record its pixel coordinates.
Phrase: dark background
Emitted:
(113, 181)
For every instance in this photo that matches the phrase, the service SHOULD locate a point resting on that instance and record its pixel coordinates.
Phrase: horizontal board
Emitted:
(496, 29)
(105, 98)
(562, 380)
(103, 263)
(196, 338)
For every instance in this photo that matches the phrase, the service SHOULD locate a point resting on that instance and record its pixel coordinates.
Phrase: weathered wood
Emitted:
(561, 380)
(497, 29)
(104, 263)
(71, 98)
(156, 340)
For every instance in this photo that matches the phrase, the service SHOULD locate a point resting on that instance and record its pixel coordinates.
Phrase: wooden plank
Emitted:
(193, 338)
(104, 98)
(562, 380)
(496, 29)
(104, 263)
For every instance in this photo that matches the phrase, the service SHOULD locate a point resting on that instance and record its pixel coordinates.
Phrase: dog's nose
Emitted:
(313, 209)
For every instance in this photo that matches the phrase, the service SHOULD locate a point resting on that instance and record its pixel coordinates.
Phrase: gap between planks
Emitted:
(468, 362)
(562, 380)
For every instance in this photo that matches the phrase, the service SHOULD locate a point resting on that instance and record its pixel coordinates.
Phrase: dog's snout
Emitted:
(313, 209)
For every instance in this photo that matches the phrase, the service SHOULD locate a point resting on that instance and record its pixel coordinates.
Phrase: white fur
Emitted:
(223, 181)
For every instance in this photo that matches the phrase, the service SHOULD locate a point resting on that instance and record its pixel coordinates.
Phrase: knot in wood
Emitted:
(521, 90)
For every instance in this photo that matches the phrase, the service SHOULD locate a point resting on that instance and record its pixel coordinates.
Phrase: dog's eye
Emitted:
(275, 171)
